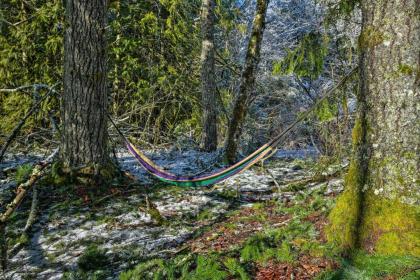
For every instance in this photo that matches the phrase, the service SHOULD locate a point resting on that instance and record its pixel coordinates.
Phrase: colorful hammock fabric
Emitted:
(200, 180)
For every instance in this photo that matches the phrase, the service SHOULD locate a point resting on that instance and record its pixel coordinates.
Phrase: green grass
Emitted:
(23, 172)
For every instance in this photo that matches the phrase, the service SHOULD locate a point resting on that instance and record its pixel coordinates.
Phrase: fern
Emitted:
(93, 258)
(284, 253)
(253, 249)
(235, 269)
(207, 269)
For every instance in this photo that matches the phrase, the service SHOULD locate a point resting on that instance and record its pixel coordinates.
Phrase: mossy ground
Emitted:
(277, 238)
(271, 240)
(252, 242)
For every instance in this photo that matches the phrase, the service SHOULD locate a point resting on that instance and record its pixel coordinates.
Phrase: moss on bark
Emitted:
(390, 227)
(343, 228)
(344, 218)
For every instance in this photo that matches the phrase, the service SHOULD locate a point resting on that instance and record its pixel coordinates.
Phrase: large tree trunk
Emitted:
(246, 88)
(84, 103)
(208, 79)
(379, 209)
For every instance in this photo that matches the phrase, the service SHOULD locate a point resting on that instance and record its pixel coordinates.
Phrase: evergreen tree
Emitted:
(208, 79)
(379, 208)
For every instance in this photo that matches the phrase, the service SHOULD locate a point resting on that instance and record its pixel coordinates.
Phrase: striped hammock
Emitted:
(201, 180)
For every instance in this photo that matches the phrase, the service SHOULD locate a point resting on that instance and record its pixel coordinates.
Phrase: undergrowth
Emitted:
(368, 267)
(183, 267)
(23, 172)
(285, 245)
(281, 245)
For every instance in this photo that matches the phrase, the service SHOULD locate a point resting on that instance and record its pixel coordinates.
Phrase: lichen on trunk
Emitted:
(379, 210)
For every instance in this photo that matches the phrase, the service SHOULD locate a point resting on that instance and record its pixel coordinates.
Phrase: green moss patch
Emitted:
(370, 38)
(390, 227)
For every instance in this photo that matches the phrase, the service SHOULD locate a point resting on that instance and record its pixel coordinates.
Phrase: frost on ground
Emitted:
(127, 232)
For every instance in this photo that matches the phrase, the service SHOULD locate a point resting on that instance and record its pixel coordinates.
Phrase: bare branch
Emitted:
(23, 120)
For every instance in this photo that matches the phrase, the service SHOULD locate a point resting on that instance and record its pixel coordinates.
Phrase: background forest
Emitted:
(155, 81)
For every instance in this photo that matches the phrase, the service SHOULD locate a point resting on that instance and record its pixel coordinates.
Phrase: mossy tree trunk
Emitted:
(379, 209)
(84, 103)
(208, 79)
(247, 84)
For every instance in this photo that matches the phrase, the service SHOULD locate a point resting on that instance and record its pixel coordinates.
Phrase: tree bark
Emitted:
(379, 209)
(246, 88)
(84, 103)
(208, 79)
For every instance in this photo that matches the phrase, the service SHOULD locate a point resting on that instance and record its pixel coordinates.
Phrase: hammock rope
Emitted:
(264, 152)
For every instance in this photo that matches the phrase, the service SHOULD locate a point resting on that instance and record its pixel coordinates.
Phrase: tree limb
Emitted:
(22, 189)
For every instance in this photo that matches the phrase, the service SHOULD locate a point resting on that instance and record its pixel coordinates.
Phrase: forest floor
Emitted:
(266, 223)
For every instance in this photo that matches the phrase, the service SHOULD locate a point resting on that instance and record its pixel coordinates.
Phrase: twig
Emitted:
(33, 109)
(22, 189)
(29, 223)
(34, 86)
(304, 115)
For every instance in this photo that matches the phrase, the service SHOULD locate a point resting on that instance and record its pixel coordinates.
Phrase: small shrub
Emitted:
(23, 172)
(93, 258)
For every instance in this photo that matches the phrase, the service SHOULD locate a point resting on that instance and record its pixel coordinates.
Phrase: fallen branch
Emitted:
(33, 109)
(29, 222)
(22, 189)
(274, 179)
(314, 179)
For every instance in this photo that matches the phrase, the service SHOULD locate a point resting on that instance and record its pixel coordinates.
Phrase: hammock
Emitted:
(201, 180)
(262, 153)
